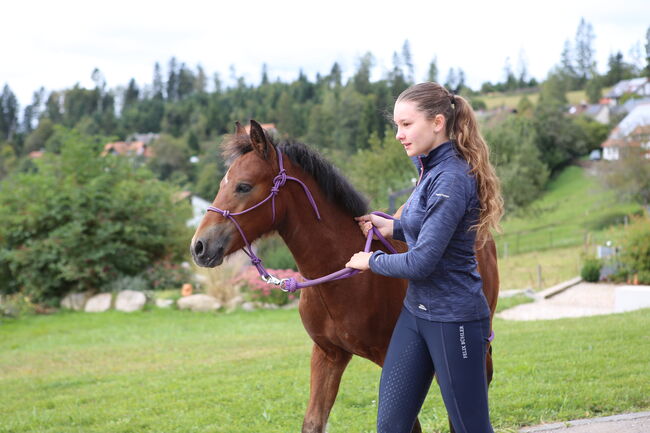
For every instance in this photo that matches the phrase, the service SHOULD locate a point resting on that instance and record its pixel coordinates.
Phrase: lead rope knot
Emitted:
(225, 213)
(279, 181)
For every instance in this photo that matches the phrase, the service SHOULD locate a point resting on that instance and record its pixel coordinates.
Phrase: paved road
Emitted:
(627, 423)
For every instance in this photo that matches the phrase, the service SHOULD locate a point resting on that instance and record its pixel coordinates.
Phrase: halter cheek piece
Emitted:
(290, 284)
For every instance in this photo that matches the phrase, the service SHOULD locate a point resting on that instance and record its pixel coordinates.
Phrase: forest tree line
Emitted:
(347, 120)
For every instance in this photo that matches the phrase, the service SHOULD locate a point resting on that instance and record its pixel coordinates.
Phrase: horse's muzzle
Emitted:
(208, 251)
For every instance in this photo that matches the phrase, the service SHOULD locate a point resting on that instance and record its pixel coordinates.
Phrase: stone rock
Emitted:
(164, 303)
(130, 300)
(198, 302)
(249, 306)
(233, 303)
(98, 303)
(74, 301)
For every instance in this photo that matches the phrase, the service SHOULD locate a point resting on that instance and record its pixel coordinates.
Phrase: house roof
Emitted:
(632, 129)
(634, 85)
(133, 148)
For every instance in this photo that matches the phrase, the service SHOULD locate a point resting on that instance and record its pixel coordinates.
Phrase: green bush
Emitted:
(591, 270)
(127, 282)
(81, 220)
(275, 253)
(635, 254)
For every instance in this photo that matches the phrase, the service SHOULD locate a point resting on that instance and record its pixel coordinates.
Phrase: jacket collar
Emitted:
(433, 158)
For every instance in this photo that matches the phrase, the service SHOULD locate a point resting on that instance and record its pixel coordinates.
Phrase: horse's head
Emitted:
(247, 182)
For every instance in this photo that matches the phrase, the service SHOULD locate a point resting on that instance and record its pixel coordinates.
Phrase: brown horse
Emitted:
(353, 316)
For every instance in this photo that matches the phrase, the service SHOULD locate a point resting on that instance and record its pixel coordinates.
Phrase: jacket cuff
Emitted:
(398, 233)
(372, 262)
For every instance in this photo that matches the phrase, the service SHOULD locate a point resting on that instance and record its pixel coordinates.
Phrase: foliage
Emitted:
(629, 177)
(275, 253)
(80, 220)
(517, 160)
(257, 290)
(381, 169)
(591, 270)
(635, 255)
(16, 305)
(127, 282)
(166, 274)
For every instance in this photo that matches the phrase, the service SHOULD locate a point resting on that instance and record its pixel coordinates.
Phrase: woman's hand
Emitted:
(359, 261)
(384, 225)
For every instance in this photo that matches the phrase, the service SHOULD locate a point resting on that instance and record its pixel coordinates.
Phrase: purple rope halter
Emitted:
(290, 284)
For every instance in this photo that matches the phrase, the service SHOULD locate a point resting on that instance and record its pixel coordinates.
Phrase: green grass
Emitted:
(173, 371)
(557, 265)
(574, 210)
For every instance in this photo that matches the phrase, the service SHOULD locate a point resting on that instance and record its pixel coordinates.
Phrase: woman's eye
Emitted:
(243, 188)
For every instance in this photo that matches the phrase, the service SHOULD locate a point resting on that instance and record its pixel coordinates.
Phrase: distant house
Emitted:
(128, 148)
(135, 145)
(598, 112)
(635, 86)
(632, 132)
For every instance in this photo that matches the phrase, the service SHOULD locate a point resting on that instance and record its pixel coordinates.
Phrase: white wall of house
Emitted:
(610, 153)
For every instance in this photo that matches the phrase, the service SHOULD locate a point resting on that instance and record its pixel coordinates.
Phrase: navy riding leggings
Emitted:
(456, 352)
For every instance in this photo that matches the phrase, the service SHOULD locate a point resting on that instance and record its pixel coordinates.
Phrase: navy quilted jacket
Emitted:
(444, 283)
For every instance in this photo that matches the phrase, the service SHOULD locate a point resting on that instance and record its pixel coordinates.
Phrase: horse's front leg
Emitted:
(326, 371)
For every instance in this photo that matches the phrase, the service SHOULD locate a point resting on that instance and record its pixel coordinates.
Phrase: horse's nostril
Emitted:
(198, 248)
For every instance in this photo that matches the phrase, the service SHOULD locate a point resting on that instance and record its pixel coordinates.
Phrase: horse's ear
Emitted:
(260, 140)
(240, 130)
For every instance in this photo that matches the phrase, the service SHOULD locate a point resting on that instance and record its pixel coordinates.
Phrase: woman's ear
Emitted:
(439, 123)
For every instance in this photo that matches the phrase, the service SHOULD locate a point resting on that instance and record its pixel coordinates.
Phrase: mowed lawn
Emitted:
(172, 371)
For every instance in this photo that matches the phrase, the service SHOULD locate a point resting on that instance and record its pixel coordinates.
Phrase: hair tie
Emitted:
(452, 100)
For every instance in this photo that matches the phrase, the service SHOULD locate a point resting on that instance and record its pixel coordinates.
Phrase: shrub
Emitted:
(167, 275)
(137, 283)
(275, 253)
(591, 270)
(257, 290)
(81, 220)
(635, 254)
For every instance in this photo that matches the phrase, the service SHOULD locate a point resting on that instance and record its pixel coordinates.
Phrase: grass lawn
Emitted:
(575, 208)
(173, 371)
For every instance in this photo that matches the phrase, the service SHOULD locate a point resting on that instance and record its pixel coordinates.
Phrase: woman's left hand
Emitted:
(359, 261)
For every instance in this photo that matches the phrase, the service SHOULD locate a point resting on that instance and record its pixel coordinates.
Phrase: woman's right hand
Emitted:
(384, 225)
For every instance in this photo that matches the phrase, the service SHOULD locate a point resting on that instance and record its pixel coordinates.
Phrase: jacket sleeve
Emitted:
(446, 205)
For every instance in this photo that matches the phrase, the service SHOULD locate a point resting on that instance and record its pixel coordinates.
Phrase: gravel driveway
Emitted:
(584, 299)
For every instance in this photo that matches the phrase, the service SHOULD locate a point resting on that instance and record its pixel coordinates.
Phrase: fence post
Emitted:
(539, 276)
(505, 250)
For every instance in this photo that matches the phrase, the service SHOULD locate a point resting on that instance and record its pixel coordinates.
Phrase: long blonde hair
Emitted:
(462, 129)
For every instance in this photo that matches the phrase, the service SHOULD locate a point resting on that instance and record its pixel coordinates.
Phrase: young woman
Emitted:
(445, 322)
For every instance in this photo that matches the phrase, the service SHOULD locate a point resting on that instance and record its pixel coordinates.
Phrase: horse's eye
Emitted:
(243, 188)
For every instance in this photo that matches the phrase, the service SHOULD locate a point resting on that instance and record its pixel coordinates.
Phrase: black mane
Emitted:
(333, 184)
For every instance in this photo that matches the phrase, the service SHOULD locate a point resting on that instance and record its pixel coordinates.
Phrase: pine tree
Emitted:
(585, 53)
(432, 75)
(8, 113)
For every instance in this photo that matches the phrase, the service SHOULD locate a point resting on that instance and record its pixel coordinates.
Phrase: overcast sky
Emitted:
(58, 43)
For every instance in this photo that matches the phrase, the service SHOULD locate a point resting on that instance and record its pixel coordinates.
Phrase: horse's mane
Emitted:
(333, 184)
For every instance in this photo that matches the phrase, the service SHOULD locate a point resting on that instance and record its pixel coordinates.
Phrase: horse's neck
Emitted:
(319, 246)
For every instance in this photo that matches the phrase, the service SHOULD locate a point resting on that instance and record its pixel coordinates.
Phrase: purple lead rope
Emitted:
(291, 285)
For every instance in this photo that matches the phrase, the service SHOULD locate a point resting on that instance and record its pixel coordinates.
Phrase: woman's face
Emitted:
(417, 134)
